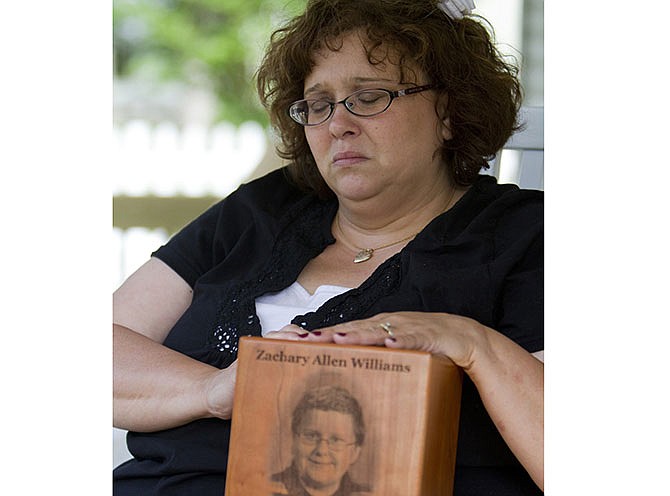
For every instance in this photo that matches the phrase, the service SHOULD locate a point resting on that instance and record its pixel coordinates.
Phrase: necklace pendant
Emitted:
(364, 255)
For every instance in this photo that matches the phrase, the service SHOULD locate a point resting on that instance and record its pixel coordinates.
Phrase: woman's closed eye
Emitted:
(319, 106)
(370, 97)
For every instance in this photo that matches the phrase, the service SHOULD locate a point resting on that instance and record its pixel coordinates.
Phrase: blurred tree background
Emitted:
(165, 48)
(186, 60)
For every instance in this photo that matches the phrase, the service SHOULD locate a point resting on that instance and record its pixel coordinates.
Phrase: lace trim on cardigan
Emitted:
(303, 234)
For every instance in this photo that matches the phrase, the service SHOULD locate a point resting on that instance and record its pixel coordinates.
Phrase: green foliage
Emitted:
(216, 44)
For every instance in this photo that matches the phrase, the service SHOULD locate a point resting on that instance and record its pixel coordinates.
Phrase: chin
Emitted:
(351, 184)
(355, 192)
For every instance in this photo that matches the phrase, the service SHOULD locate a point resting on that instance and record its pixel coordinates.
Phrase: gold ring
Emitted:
(387, 328)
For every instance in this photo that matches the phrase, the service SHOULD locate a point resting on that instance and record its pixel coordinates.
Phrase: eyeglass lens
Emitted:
(365, 103)
(313, 438)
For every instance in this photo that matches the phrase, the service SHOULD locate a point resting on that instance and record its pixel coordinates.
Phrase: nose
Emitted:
(343, 123)
(321, 446)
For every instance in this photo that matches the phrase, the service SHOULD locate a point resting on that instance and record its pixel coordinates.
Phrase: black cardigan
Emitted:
(482, 259)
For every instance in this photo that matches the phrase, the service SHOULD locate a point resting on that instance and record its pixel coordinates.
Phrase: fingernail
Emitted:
(393, 340)
(303, 335)
(341, 333)
(316, 333)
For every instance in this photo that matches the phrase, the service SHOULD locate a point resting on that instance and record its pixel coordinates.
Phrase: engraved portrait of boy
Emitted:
(328, 431)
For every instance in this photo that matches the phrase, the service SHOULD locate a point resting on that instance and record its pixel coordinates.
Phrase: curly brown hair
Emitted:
(484, 93)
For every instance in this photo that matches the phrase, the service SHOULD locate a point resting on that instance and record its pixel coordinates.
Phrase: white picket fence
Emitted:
(193, 161)
(164, 160)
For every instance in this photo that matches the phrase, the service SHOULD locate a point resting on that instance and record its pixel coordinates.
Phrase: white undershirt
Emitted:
(275, 310)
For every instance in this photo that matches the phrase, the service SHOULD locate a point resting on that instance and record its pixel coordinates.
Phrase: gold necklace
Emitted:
(365, 254)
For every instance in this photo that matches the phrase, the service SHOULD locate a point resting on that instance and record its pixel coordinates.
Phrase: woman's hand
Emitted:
(219, 392)
(455, 337)
(290, 332)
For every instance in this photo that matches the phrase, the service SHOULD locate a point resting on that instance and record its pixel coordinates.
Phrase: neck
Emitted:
(372, 224)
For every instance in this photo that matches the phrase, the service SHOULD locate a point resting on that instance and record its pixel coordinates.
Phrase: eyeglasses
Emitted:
(363, 103)
(311, 439)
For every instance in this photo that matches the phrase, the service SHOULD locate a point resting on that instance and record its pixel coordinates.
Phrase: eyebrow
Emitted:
(318, 87)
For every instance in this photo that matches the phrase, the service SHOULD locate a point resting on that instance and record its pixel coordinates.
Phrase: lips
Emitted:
(348, 158)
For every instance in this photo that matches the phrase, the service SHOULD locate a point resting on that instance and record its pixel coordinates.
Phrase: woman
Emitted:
(381, 233)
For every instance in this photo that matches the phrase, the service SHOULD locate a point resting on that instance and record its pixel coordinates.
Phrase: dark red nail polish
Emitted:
(316, 333)
(303, 335)
(341, 333)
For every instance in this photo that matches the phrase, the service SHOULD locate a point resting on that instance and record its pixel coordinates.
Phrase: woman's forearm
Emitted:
(158, 388)
(510, 382)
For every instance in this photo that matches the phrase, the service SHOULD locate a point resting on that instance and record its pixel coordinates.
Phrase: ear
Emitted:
(443, 113)
(356, 453)
(445, 128)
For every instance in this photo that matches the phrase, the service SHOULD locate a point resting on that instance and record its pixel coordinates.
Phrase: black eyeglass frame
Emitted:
(392, 96)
